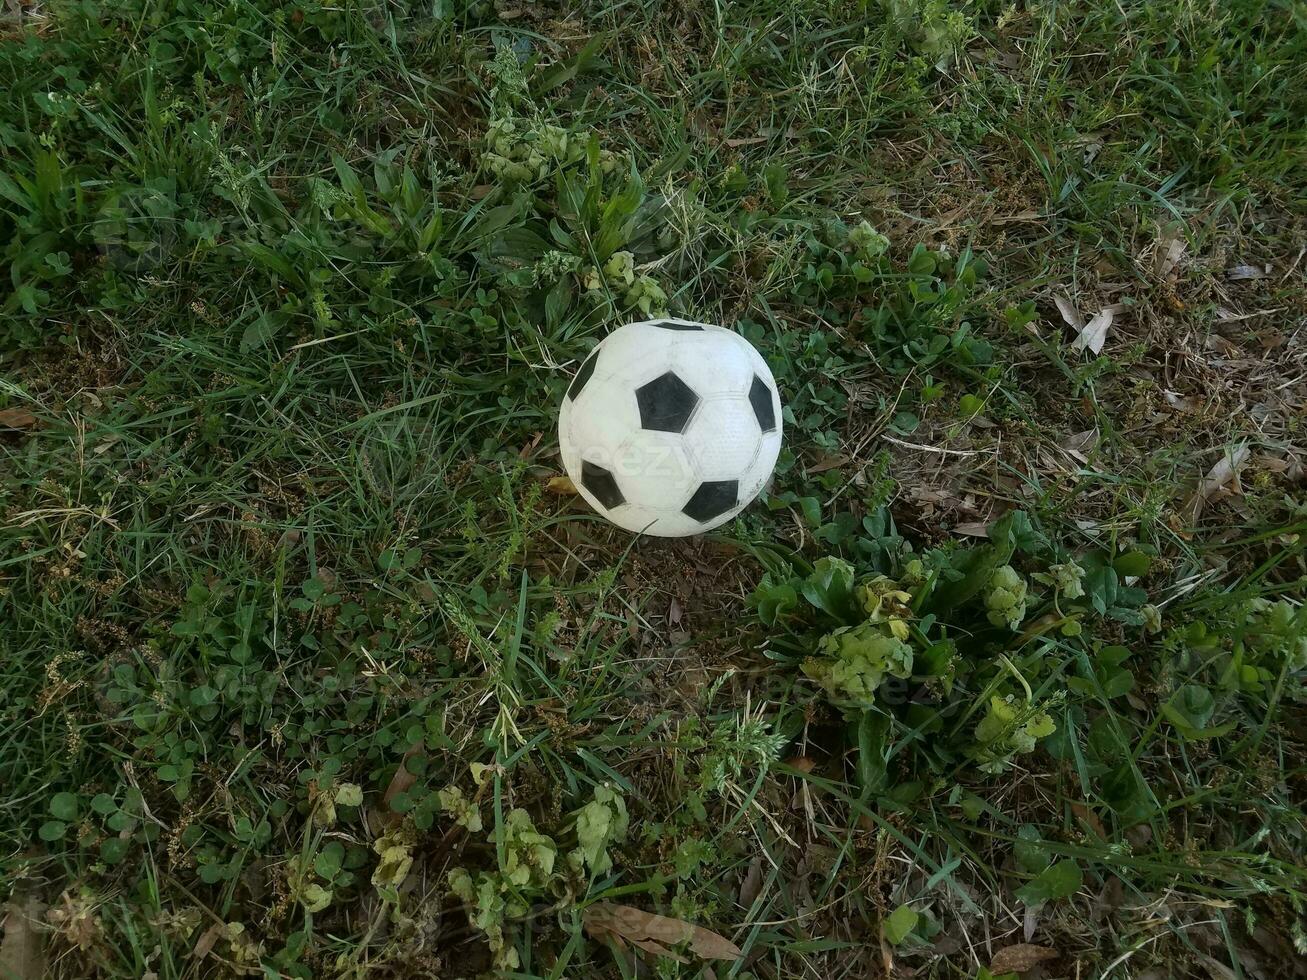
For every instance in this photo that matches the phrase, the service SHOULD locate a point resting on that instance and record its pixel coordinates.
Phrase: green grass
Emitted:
(292, 621)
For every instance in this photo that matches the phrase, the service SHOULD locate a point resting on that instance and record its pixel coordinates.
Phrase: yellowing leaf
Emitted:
(315, 898)
(349, 794)
(561, 485)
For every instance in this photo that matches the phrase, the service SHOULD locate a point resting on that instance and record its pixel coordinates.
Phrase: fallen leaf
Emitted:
(16, 418)
(530, 447)
(675, 612)
(827, 463)
(1029, 923)
(1170, 250)
(561, 485)
(399, 783)
(1020, 958)
(1238, 272)
(1183, 403)
(1224, 472)
(649, 946)
(75, 920)
(747, 141)
(1069, 313)
(751, 886)
(22, 950)
(1094, 333)
(1079, 442)
(1008, 219)
(204, 945)
(973, 529)
(1216, 969)
(639, 928)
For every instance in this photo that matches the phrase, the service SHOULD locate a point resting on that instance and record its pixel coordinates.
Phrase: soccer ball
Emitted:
(670, 427)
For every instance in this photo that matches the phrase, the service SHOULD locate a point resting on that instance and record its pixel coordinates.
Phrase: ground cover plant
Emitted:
(311, 665)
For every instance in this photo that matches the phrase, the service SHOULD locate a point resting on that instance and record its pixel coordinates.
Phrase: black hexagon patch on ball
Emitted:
(583, 375)
(672, 325)
(713, 499)
(761, 400)
(666, 403)
(601, 484)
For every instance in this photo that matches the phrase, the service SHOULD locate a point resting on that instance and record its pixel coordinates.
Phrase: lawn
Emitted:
(314, 664)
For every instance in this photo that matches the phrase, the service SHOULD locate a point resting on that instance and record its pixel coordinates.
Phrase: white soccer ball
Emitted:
(671, 427)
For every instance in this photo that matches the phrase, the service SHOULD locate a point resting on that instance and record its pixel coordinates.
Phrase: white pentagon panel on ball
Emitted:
(670, 427)
(714, 362)
(724, 438)
(655, 471)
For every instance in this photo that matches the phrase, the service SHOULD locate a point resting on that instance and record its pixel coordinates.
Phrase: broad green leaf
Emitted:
(900, 922)
(830, 588)
(1057, 881)
(52, 830)
(1132, 563)
(328, 862)
(1191, 707)
(774, 601)
(64, 806)
(1028, 850)
(873, 728)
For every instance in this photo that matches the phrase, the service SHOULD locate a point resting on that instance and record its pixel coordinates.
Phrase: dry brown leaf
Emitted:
(973, 529)
(204, 945)
(1020, 958)
(1170, 250)
(75, 920)
(1007, 219)
(751, 886)
(1238, 272)
(1183, 403)
(1094, 333)
(1069, 313)
(1216, 969)
(1222, 474)
(399, 783)
(530, 447)
(561, 485)
(649, 946)
(22, 950)
(1271, 464)
(827, 463)
(639, 927)
(1079, 442)
(16, 418)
